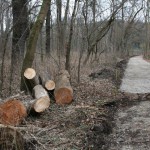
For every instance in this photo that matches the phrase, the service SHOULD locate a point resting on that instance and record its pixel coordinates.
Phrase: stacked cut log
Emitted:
(42, 100)
(31, 79)
(46, 81)
(63, 91)
(12, 112)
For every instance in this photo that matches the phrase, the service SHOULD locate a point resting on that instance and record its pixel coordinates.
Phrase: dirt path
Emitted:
(132, 130)
(137, 76)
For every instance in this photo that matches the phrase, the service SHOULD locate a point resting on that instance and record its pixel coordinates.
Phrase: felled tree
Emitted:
(63, 91)
(32, 40)
(12, 112)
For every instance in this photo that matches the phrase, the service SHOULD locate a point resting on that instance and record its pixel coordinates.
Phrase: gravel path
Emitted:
(132, 130)
(137, 76)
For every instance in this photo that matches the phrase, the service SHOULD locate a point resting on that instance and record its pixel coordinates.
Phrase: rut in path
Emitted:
(132, 130)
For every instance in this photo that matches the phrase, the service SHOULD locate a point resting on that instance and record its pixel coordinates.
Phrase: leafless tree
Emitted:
(32, 41)
(68, 47)
(20, 26)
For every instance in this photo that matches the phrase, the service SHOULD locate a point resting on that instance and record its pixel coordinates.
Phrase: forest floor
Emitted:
(84, 124)
(101, 117)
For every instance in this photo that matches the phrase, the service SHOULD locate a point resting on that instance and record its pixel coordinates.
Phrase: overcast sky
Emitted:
(104, 6)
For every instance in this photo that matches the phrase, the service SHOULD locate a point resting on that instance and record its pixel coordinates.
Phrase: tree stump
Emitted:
(63, 91)
(31, 79)
(12, 112)
(42, 101)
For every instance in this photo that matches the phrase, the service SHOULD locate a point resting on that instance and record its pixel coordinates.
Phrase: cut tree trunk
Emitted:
(12, 112)
(63, 91)
(31, 79)
(33, 38)
(42, 101)
(11, 139)
(50, 85)
(46, 81)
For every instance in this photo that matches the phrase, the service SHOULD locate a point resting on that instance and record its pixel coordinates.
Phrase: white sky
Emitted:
(104, 6)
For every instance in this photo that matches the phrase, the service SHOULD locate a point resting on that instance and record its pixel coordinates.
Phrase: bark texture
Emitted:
(42, 101)
(48, 18)
(32, 41)
(63, 91)
(20, 24)
(68, 49)
(46, 81)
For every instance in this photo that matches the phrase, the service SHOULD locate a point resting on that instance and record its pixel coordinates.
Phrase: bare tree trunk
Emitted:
(147, 25)
(94, 25)
(59, 30)
(64, 26)
(80, 57)
(68, 49)
(1, 43)
(20, 23)
(5, 38)
(32, 41)
(48, 30)
(63, 91)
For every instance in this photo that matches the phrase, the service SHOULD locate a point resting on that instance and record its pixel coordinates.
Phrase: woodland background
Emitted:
(76, 35)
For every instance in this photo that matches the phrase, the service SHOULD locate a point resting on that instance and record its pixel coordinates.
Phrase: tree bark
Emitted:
(59, 30)
(46, 81)
(63, 91)
(64, 26)
(42, 101)
(48, 30)
(20, 23)
(32, 41)
(147, 26)
(68, 49)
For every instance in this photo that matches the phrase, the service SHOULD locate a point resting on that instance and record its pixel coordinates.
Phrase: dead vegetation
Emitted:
(84, 124)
